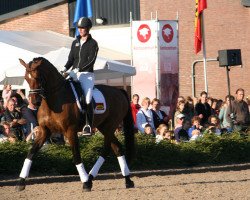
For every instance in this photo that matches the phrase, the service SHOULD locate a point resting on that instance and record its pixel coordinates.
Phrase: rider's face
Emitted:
(83, 32)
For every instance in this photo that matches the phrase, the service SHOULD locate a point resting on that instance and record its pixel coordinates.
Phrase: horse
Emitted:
(58, 113)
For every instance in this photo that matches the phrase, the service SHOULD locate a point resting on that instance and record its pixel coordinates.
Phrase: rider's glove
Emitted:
(63, 71)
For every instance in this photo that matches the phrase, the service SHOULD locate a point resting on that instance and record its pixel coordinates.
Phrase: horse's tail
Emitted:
(128, 128)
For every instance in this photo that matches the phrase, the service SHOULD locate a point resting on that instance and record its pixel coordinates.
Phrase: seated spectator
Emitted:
(180, 133)
(195, 126)
(6, 135)
(135, 107)
(14, 118)
(148, 130)
(29, 113)
(179, 110)
(144, 116)
(213, 125)
(161, 132)
(195, 135)
(159, 116)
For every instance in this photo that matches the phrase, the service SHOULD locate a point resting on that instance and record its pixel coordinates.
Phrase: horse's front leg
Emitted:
(38, 143)
(74, 143)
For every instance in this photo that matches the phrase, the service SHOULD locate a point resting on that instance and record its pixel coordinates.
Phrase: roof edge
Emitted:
(29, 9)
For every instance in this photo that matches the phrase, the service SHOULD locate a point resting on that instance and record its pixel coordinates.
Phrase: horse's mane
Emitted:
(49, 72)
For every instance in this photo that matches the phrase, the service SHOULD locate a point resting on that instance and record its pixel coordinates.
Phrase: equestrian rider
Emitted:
(82, 57)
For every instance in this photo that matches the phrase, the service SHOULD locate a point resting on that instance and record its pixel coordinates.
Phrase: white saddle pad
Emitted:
(100, 102)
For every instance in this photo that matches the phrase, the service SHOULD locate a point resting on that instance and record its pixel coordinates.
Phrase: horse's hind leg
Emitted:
(117, 148)
(74, 143)
(39, 141)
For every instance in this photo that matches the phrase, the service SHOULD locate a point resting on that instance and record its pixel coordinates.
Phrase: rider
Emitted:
(82, 57)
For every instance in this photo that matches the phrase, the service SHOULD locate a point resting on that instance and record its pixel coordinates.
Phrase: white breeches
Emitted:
(87, 80)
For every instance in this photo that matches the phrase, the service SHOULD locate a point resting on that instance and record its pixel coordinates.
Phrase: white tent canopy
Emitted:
(52, 46)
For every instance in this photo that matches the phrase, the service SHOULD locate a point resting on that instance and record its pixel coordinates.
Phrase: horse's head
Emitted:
(34, 79)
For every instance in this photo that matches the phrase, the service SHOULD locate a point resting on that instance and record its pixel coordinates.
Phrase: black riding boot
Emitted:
(87, 129)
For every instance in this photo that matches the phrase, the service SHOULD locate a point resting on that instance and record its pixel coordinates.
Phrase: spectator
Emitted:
(32, 135)
(135, 107)
(148, 130)
(144, 116)
(195, 126)
(161, 132)
(203, 109)
(1, 108)
(189, 109)
(179, 110)
(214, 110)
(180, 133)
(14, 118)
(6, 135)
(195, 135)
(248, 102)
(238, 114)
(213, 125)
(29, 113)
(6, 94)
(195, 101)
(225, 123)
(159, 116)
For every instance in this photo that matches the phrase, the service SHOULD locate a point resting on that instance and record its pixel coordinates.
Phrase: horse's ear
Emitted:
(23, 63)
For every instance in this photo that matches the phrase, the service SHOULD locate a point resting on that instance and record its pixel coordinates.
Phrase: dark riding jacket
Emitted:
(83, 57)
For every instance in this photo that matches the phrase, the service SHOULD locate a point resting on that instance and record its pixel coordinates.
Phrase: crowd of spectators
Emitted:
(192, 117)
(18, 116)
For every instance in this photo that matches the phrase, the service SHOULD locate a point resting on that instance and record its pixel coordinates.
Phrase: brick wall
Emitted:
(227, 26)
(53, 18)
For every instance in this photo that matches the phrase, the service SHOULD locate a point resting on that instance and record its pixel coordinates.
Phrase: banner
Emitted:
(200, 6)
(145, 59)
(83, 9)
(169, 63)
(155, 56)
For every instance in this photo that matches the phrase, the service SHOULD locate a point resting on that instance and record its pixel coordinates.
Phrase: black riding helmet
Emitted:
(84, 22)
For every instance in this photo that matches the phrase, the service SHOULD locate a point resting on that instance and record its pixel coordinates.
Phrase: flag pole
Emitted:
(204, 51)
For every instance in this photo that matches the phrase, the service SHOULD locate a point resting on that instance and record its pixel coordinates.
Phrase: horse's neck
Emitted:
(54, 81)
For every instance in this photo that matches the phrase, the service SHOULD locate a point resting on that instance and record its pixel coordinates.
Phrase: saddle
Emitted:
(99, 103)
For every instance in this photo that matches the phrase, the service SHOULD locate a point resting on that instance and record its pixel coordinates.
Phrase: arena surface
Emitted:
(217, 182)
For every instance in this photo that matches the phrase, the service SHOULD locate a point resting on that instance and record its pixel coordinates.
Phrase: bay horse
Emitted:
(59, 113)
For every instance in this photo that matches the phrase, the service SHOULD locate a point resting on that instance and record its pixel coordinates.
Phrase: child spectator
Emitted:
(214, 125)
(161, 132)
(195, 135)
(148, 130)
(195, 126)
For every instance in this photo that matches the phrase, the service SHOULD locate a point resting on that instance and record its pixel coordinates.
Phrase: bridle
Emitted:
(38, 91)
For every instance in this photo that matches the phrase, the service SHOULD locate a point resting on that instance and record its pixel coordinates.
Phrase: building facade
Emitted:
(227, 26)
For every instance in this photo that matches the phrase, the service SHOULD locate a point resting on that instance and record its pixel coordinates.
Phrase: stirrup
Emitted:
(86, 131)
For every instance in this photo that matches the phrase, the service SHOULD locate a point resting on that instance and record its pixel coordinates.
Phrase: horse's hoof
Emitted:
(130, 184)
(87, 186)
(20, 185)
